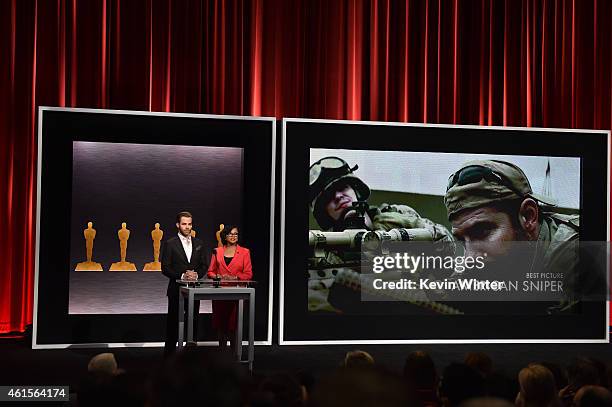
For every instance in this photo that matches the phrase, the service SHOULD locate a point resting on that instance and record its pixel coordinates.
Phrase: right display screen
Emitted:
(437, 232)
(422, 233)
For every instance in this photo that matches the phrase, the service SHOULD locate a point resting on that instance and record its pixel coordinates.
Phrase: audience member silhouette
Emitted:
(363, 387)
(593, 396)
(537, 387)
(581, 372)
(358, 358)
(459, 383)
(420, 374)
(195, 377)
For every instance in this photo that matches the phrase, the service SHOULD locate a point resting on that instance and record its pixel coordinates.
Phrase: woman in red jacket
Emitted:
(231, 262)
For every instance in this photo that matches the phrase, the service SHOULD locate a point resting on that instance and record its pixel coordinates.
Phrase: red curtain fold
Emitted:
(544, 63)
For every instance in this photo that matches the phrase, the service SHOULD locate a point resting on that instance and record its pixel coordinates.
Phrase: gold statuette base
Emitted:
(153, 266)
(122, 266)
(88, 266)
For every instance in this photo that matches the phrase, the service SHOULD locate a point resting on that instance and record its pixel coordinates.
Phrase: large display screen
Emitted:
(404, 192)
(142, 185)
(442, 233)
(110, 185)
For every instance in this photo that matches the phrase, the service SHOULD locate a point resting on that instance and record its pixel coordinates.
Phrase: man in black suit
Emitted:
(183, 257)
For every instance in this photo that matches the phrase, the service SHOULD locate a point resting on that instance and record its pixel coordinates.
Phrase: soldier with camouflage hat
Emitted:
(334, 188)
(490, 203)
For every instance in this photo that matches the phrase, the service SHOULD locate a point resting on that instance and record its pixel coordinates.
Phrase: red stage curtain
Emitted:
(543, 63)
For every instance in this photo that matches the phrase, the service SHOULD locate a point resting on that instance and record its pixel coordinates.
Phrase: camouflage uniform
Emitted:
(322, 273)
(481, 183)
(384, 217)
(559, 236)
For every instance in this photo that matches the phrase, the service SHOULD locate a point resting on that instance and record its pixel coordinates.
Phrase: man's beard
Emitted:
(517, 260)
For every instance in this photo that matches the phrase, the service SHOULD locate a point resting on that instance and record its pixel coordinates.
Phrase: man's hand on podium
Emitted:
(190, 275)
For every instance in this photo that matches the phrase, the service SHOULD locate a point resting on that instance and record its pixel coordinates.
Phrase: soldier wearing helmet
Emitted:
(334, 188)
(338, 201)
(491, 204)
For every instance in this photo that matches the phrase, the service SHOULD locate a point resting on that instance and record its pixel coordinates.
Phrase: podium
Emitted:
(229, 290)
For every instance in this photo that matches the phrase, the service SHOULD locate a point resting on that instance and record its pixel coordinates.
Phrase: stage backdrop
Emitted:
(543, 63)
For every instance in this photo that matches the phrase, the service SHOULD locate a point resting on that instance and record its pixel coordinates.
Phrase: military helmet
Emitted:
(326, 175)
(483, 182)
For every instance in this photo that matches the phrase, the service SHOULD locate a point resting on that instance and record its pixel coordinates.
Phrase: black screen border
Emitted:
(58, 127)
(298, 327)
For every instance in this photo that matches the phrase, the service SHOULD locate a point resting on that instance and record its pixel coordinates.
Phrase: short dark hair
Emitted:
(460, 382)
(195, 377)
(581, 372)
(420, 370)
(594, 396)
(183, 214)
(359, 359)
(226, 231)
(479, 361)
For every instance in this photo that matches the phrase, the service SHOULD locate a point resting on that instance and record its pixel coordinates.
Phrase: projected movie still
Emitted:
(399, 232)
(124, 200)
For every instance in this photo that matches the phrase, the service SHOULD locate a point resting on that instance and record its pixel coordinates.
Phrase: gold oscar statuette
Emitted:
(156, 235)
(193, 233)
(89, 265)
(123, 265)
(218, 235)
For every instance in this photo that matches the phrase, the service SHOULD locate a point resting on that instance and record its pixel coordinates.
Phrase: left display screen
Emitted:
(108, 168)
(124, 200)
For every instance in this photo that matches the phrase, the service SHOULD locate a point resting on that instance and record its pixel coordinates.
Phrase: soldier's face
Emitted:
(184, 226)
(341, 198)
(485, 230)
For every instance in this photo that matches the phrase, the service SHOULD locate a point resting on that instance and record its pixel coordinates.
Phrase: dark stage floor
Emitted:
(23, 366)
